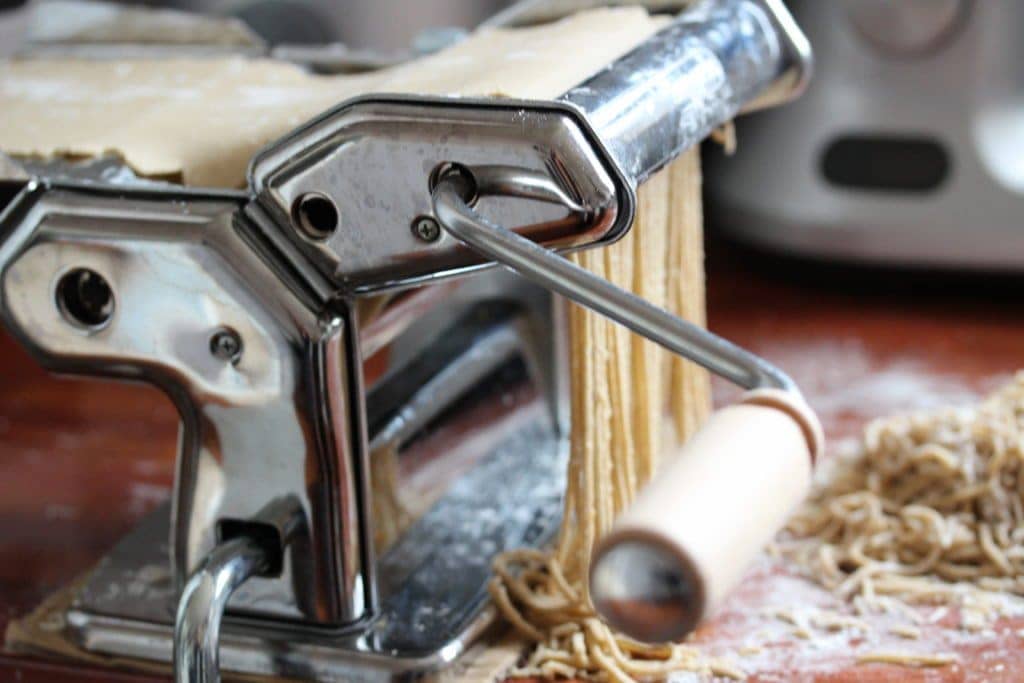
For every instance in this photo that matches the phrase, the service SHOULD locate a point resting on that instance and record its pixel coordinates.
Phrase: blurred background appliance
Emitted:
(14, 16)
(381, 25)
(358, 34)
(907, 149)
(387, 25)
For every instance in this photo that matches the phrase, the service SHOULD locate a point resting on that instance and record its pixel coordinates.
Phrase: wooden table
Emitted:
(82, 462)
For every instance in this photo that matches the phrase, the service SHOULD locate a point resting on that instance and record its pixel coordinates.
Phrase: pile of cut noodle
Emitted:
(930, 512)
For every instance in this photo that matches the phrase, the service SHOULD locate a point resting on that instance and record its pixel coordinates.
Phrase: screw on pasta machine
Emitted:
(226, 345)
(426, 228)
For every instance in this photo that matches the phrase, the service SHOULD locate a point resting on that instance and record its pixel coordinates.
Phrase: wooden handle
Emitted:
(709, 510)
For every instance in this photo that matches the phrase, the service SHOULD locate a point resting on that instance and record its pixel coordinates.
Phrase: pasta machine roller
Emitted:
(250, 310)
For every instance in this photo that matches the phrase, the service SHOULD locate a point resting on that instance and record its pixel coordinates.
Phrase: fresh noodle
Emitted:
(623, 386)
(907, 659)
(931, 511)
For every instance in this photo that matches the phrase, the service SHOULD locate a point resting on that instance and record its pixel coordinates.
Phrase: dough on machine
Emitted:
(200, 120)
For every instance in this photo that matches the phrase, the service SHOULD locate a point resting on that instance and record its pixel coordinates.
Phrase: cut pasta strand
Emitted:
(622, 389)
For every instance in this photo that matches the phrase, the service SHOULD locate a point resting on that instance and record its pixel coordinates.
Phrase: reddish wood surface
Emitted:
(82, 462)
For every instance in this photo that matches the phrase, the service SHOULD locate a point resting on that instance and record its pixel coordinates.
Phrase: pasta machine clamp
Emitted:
(250, 310)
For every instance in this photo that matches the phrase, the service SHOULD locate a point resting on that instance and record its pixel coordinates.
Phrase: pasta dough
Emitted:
(199, 121)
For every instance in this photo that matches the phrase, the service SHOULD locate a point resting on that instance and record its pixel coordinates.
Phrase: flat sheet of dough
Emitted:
(201, 120)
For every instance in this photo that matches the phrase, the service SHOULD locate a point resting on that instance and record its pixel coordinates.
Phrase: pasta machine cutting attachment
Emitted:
(368, 406)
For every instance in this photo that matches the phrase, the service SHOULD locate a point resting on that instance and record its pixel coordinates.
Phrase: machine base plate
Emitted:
(432, 581)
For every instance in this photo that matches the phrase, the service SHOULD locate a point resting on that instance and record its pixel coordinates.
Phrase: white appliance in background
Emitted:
(329, 36)
(380, 25)
(907, 149)
(14, 18)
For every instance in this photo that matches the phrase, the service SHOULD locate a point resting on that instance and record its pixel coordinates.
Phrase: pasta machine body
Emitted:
(331, 321)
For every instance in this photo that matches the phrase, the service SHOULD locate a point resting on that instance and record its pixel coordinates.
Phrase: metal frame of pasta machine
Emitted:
(243, 308)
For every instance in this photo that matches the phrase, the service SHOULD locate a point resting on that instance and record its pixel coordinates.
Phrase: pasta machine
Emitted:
(250, 309)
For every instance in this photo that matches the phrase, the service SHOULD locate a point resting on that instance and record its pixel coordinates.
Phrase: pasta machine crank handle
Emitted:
(553, 272)
(686, 540)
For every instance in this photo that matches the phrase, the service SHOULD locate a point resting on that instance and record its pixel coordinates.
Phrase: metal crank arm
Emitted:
(655, 577)
(549, 270)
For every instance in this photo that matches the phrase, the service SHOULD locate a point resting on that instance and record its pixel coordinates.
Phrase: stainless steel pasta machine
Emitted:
(249, 309)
